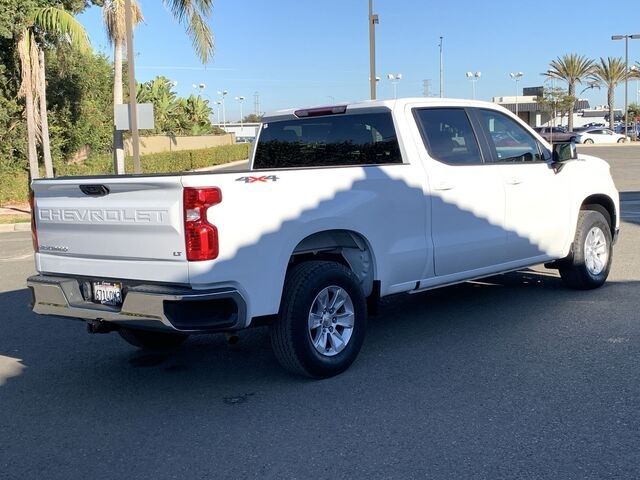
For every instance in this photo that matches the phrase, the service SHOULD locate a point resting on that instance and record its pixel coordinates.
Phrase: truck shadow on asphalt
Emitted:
(423, 326)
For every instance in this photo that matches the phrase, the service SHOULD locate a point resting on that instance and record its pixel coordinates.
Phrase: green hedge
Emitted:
(14, 185)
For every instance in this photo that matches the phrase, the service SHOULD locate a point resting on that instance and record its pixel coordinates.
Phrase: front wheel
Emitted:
(588, 141)
(151, 340)
(322, 320)
(592, 251)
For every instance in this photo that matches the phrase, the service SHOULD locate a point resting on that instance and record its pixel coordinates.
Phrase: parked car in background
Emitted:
(599, 135)
(556, 134)
(592, 125)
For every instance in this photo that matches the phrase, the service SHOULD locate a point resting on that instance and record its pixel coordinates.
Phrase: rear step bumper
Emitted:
(150, 307)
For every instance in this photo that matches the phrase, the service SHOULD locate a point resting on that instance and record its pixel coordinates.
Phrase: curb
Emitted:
(221, 166)
(15, 227)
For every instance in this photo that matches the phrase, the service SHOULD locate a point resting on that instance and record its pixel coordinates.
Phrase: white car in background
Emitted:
(599, 135)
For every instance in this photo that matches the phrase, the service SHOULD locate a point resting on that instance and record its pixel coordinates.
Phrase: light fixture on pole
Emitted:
(626, 76)
(516, 76)
(241, 101)
(223, 93)
(395, 78)
(373, 21)
(473, 77)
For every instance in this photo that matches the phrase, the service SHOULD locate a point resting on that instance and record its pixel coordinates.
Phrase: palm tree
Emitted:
(610, 73)
(192, 13)
(572, 68)
(48, 24)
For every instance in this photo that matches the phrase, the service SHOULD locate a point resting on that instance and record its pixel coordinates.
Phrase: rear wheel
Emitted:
(592, 250)
(621, 140)
(322, 320)
(150, 340)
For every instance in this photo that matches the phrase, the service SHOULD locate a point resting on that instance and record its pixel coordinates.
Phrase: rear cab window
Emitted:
(350, 139)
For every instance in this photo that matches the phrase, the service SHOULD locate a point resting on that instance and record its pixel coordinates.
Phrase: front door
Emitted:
(537, 198)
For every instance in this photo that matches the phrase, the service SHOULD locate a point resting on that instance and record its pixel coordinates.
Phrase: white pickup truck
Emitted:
(342, 205)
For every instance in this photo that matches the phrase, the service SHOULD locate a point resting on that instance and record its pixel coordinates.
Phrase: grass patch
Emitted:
(4, 219)
(14, 185)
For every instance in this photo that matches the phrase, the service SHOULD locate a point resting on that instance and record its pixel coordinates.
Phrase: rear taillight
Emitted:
(201, 237)
(34, 230)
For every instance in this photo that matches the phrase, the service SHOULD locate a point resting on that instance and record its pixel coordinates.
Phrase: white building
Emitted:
(245, 132)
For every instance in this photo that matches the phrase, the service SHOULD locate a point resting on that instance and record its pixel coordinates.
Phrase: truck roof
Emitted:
(290, 113)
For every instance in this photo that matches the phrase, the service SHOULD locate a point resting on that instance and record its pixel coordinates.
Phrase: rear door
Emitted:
(467, 195)
(112, 227)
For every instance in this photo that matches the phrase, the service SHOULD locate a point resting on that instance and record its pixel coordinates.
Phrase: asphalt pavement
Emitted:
(510, 377)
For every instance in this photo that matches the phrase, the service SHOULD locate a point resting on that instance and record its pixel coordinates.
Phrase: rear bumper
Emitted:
(151, 307)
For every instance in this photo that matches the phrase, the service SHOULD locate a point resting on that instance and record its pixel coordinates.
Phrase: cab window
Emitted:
(448, 135)
(508, 141)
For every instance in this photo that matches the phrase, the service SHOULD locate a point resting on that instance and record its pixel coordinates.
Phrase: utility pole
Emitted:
(426, 87)
(441, 69)
(256, 104)
(133, 107)
(373, 21)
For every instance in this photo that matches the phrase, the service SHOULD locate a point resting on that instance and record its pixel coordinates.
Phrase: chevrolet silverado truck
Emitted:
(341, 206)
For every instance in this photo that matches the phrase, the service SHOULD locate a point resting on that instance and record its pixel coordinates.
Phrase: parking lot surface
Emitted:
(512, 376)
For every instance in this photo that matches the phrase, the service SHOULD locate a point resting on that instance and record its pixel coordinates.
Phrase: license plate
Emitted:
(107, 293)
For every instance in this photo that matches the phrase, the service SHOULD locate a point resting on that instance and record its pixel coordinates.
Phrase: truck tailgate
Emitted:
(112, 227)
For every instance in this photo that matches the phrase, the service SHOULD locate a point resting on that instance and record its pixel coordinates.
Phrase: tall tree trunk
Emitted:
(572, 92)
(27, 87)
(610, 100)
(44, 122)
(118, 138)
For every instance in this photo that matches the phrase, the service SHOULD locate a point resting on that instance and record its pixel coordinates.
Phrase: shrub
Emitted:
(14, 186)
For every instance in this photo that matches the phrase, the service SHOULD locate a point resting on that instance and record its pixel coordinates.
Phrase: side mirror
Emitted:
(563, 152)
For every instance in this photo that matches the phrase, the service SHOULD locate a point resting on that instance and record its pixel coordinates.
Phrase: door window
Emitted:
(448, 135)
(508, 141)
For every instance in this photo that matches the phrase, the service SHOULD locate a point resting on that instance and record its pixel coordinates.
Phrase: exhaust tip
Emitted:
(233, 338)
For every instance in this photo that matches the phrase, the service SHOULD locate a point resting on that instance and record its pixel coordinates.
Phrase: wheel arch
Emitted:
(604, 204)
(348, 247)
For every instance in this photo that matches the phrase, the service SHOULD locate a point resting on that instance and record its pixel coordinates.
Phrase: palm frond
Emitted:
(59, 22)
(195, 14)
(114, 15)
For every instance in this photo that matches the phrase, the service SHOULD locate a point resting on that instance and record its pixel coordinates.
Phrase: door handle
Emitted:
(514, 181)
(442, 186)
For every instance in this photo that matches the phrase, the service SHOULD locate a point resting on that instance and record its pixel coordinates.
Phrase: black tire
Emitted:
(151, 340)
(573, 139)
(620, 140)
(588, 141)
(574, 271)
(290, 335)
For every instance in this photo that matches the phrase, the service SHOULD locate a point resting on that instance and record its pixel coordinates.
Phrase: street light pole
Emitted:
(133, 108)
(441, 69)
(373, 21)
(223, 94)
(395, 78)
(516, 77)
(473, 77)
(240, 99)
(626, 76)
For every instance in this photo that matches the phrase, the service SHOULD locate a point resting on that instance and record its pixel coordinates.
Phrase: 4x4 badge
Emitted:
(264, 178)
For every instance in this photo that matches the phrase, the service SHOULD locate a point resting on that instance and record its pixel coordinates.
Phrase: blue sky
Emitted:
(304, 52)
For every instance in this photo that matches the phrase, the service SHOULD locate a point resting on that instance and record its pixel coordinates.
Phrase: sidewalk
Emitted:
(17, 218)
